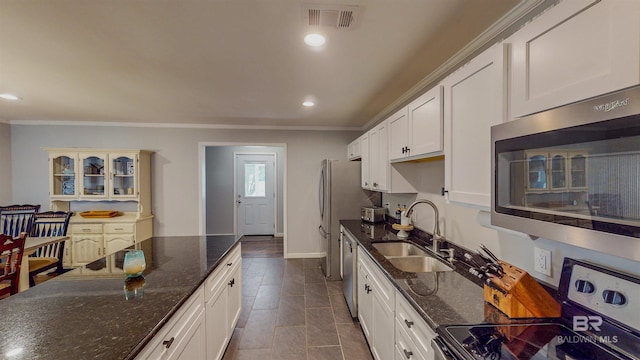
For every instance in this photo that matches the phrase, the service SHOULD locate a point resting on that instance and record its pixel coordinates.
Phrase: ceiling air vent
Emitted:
(336, 16)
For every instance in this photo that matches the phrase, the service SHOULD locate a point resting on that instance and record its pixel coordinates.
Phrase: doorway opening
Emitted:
(234, 190)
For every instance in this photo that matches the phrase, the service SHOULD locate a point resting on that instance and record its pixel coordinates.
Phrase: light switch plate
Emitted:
(542, 261)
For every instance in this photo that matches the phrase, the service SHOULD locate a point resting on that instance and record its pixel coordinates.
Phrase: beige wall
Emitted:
(175, 169)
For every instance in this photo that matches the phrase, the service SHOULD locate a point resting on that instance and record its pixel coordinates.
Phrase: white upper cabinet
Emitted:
(425, 124)
(379, 157)
(377, 173)
(398, 134)
(474, 100)
(576, 50)
(353, 150)
(416, 131)
(365, 171)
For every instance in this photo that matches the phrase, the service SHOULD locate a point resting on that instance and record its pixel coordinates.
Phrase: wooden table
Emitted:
(30, 246)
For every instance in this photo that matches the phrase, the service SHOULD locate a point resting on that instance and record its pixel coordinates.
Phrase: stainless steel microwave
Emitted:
(572, 174)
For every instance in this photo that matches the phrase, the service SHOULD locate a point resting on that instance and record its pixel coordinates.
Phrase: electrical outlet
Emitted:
(542, 261)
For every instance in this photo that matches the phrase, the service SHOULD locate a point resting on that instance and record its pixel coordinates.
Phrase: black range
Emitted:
(600, 320)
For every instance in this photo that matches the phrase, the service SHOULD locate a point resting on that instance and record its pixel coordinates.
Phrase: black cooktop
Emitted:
(530, 341)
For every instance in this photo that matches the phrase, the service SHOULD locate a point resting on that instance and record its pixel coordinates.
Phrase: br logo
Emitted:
(582, 323)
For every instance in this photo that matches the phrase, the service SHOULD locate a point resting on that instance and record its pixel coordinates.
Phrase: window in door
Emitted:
(254, 180)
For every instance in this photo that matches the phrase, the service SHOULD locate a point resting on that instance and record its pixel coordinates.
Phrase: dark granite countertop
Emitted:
(441, 298)
(83, 314)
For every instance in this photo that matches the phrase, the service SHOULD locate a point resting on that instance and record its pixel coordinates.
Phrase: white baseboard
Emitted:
(305, 255)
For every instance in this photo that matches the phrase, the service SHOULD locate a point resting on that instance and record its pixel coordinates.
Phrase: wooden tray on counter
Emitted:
(100, 214)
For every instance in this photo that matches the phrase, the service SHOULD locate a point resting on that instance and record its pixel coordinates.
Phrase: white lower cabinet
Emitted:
(365, 300)
(376, 308)
(416, 334)
(202, 327)
(392, 327)
(184, 336)
(406, 349)
(223, 303)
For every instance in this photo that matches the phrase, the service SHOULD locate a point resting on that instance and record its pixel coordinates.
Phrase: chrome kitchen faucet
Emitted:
(437, 238)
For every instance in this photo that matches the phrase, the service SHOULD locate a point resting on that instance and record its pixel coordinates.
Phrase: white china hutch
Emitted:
(83, 179)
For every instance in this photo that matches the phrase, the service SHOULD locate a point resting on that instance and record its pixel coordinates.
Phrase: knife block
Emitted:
(518, 295)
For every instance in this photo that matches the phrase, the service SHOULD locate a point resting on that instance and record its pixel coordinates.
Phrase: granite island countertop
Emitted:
(83, 314)
(441, 298)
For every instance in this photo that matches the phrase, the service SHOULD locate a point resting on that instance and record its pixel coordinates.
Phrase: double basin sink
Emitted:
(410, 258)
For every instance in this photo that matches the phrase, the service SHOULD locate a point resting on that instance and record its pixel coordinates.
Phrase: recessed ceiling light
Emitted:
(9, 97)
(308, 103)
(314, 40)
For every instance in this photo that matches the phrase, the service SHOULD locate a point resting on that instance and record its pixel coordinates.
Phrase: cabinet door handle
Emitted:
(229, 264)
(407, 353)
(367, 288)
(409, 323)
(375, 184)
(167, 343)
(232, 282)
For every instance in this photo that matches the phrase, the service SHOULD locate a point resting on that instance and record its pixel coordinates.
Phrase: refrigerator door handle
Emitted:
(321, 194)
(322, 231)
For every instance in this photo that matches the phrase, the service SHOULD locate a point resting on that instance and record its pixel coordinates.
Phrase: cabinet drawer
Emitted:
(406, 349)
(86, 229)
(174, 331)
(417, 329)
(218, 277)
(120, 228)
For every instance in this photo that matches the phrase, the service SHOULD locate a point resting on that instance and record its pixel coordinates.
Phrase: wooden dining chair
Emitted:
(11, 250)
(50, 223)
(16, 219)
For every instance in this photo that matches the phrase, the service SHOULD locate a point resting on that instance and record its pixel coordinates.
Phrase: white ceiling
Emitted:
(222, 62)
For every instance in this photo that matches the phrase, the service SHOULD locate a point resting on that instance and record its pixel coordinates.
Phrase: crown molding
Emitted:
(180, 126)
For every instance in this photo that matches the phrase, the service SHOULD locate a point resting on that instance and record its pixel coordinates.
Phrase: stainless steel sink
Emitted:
(399, 249)
(418, 264)
(410, 258)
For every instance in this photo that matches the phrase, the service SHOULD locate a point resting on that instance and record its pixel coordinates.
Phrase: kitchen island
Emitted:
(89, 313)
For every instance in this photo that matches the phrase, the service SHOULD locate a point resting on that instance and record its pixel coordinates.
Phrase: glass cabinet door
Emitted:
(558, 171)
(537, 171)
(123, 175)
(578, 171)
(63, 176)
(93, 176)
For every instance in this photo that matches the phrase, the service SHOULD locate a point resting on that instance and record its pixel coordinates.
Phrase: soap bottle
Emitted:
(398, 214)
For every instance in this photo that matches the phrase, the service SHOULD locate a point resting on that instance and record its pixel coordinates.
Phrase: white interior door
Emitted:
(255, 194)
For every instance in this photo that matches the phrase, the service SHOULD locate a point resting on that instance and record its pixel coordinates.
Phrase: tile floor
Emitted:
(291, 312)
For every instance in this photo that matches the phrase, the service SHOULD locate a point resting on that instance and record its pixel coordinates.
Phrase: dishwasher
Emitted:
(349, 268)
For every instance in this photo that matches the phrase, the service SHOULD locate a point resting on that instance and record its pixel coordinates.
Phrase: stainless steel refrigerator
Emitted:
(340, 197)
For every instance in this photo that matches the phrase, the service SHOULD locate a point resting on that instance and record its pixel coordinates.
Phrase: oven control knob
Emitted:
(585, 286)
(614, 297)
